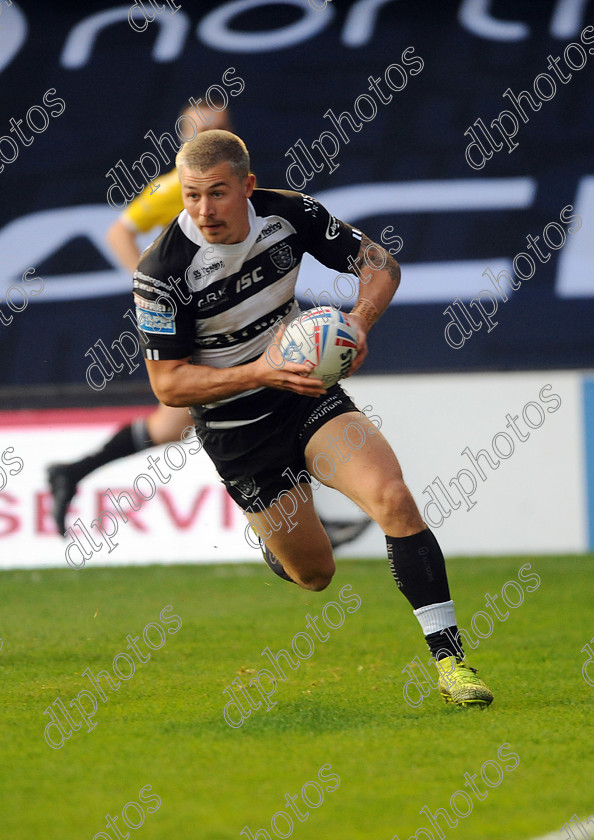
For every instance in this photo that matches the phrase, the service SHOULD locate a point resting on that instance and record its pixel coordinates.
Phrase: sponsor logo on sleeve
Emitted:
(158, 323)
(151, 305)
(139, 275)
(310, 205)
(333, 228)
(143, 287)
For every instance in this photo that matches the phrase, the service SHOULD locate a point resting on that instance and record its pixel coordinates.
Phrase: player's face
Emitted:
(216, 200)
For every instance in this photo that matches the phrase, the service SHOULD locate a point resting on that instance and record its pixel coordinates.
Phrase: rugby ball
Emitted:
(324, 339)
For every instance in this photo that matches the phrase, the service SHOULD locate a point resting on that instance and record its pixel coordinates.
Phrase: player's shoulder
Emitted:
(294, 206)
(170, 253)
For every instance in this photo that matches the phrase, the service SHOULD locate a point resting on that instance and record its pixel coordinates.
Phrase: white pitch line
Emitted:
(556, 835)
(562, 835)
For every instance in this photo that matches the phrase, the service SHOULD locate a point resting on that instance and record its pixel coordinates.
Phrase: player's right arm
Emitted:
(166, 328)
(178, 382)
(122, 241)
(166, 331)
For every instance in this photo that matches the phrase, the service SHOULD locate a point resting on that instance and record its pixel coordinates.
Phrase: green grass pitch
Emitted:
(343, 706)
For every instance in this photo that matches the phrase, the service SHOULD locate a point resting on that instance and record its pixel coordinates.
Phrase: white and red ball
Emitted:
(324, 339)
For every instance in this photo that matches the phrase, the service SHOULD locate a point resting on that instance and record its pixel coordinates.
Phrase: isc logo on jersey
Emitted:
(247, 280)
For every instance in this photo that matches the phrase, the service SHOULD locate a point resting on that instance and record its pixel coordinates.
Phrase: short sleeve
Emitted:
(165, 323)
(328, 239)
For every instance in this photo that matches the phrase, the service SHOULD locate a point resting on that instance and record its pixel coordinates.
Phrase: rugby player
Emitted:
(263, 422)
(165, 424)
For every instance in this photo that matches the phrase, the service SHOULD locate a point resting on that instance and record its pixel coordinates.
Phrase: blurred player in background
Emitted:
(165, 424)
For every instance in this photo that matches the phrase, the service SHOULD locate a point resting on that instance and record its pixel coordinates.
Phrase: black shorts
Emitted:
(251, 459)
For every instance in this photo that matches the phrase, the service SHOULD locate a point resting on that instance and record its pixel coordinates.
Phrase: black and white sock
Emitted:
(418, 567)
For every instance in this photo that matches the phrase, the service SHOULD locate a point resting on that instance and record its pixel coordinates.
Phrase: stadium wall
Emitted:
(499, 464)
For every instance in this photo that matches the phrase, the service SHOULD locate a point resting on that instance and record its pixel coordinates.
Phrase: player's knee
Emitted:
(393, 498)
(319, 578)
(315, 583)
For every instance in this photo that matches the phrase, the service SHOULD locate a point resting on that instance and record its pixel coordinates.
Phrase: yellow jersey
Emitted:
(147, 211)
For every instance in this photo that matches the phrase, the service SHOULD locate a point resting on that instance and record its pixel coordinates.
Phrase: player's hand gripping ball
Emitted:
(324, 339)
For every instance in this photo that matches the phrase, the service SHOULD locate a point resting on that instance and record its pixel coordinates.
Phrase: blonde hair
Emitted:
(209, 148)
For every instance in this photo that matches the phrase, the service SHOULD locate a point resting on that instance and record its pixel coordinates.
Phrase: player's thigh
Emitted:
(293, 532)
(349, 454)
(166, 423)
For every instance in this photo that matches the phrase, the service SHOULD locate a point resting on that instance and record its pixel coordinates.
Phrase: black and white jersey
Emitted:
(217, 303)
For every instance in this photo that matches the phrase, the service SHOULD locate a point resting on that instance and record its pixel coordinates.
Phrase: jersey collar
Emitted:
(238, 249)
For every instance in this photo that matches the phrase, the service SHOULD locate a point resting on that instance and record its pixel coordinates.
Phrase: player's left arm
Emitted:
(332, 242)
(379, 277)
